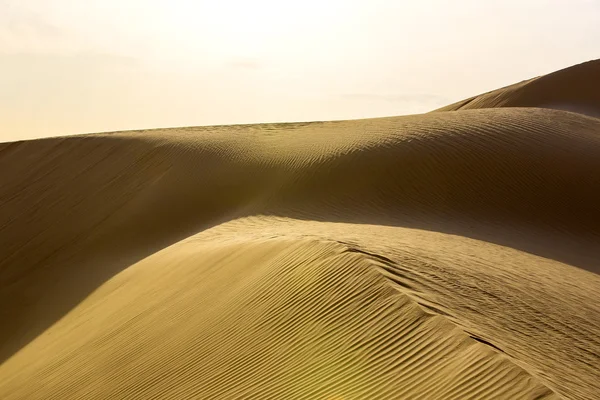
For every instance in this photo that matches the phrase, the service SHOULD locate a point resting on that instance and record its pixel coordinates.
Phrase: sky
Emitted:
(72, 66)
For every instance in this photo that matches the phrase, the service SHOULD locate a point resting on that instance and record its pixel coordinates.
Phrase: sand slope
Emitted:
(438, 256)
(576, 88)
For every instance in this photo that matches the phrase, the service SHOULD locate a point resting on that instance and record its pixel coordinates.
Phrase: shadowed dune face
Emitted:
(433, 256)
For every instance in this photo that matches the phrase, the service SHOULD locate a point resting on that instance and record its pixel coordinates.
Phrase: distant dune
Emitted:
(574, 89)
(449, 255)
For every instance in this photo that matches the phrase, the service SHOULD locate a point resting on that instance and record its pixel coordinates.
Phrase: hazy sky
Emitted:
(73, 66)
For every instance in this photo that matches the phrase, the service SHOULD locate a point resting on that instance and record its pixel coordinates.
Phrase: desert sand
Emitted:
(449, 255)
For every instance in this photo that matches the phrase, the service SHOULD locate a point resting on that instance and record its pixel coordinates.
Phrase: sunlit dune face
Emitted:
(434, 256)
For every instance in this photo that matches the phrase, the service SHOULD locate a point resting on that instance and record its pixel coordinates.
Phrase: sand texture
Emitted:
(574, 89)
(449, 255)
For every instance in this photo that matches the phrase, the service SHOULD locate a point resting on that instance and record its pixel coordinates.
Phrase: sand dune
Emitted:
(450, 255)
(574, 89)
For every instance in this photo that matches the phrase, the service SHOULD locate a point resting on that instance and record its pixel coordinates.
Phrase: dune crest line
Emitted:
(449, 255)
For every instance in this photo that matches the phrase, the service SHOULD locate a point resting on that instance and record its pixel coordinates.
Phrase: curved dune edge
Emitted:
(444, 255)
(276, 318)
(575, 89)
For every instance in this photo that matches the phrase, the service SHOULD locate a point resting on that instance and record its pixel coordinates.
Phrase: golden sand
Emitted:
(449, 255)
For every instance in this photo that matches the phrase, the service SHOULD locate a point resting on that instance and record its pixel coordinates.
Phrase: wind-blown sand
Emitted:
(450, 255)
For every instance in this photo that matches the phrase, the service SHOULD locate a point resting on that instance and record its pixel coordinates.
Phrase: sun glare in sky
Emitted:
(71, 67)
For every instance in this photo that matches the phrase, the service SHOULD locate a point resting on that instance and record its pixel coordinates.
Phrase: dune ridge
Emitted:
(576, 89)
(344, 342)
(445, 255)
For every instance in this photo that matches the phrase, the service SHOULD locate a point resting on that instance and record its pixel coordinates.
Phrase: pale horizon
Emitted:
(70, 68)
